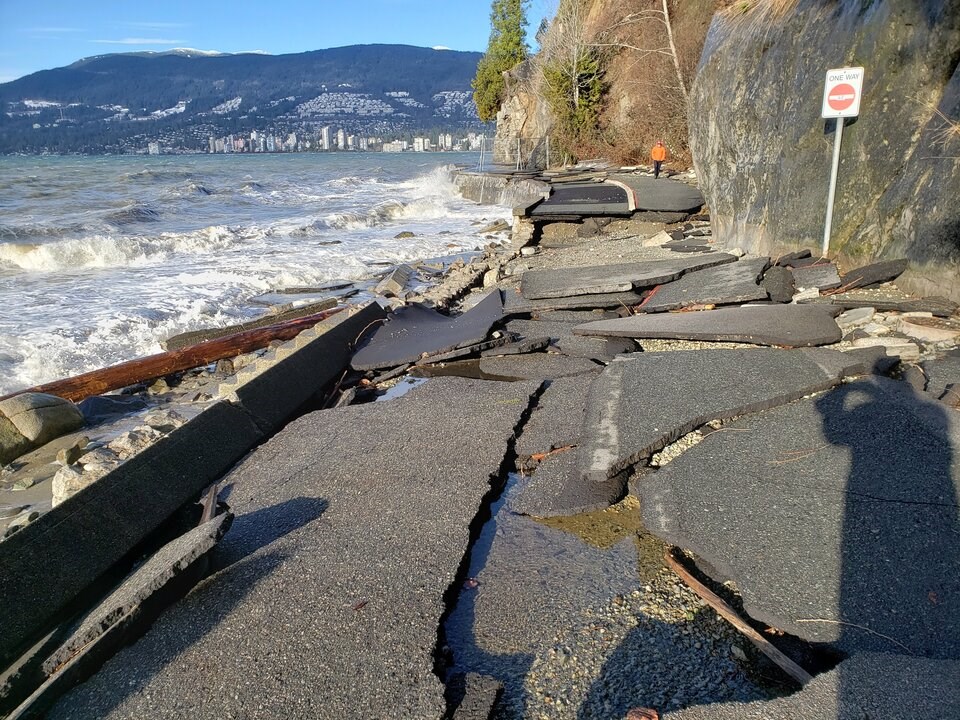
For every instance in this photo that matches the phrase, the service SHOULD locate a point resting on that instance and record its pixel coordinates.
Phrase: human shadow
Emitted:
(659, 665)
(900, 537)
(874, 489)
(242, 562)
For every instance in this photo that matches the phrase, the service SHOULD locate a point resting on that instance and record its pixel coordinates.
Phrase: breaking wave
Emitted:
(377, 215)
(105, 251)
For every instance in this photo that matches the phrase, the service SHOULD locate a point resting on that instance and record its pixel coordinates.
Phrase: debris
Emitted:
(155, 366)
(726, 612)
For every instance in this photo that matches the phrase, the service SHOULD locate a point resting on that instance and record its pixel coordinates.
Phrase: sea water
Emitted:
(102, 258)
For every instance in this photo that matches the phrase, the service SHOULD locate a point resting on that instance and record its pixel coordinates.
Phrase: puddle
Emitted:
(605, 528)
(528, 581)
(459, 368)
(404, 386)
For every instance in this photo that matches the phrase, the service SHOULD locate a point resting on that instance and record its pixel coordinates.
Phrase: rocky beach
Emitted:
(525, 482)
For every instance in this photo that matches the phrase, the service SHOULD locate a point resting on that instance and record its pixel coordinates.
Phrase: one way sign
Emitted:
(841, 94)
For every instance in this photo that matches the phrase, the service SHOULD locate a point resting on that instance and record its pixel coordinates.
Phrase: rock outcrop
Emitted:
(523, 115)
(763, 153)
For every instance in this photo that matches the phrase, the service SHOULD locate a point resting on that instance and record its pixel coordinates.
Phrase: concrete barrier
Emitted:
(45, 566)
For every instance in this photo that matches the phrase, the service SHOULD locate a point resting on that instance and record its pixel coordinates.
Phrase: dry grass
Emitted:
(945, 131)
(758, 10)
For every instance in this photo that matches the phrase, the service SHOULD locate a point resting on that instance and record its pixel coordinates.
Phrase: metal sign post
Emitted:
(841, 99)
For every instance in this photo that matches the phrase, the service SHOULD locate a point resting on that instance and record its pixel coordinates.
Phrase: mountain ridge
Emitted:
(376, 88)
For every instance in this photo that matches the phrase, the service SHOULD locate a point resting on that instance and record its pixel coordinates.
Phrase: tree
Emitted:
(572, 71)
(507, 49)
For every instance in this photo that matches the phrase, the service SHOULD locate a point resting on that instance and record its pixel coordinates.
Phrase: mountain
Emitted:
(110, 103)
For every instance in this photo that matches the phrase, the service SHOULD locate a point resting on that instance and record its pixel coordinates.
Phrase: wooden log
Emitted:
(729, 614)
(131, 372)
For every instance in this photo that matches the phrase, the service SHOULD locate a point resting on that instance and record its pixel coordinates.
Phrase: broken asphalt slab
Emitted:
(531, 582)
(557, 488)
(782, 325)
(866, 685)
(415, 330)
(822, 277)
(565, 342)
(735, 282)
(536, 366)
(643, 402)
(836, 517)
(601, 279)
(584, 199)
(516, 304)
(557, 418)
(351, 527)
(874, 274)
(162, 580)
(939, 306)
(661, 195)
(943, 375)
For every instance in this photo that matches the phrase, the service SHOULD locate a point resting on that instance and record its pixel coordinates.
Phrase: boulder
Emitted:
(40, 417)
(764, 172)
(500, 225)
(30, 420)
(12, 443)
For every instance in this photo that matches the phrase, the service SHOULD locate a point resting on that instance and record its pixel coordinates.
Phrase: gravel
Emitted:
(659, 646)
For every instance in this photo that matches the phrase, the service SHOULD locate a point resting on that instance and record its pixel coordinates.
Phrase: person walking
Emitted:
(658, 154)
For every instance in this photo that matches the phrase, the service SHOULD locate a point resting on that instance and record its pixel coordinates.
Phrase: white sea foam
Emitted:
(91, 293)
(105, 251)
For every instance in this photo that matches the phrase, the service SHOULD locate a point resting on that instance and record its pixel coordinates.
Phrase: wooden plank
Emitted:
(131, 372)
(727, 613)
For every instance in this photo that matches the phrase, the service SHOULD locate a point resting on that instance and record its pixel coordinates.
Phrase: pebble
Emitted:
(658, 647)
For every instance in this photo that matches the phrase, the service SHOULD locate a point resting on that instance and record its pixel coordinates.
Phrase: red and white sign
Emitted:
(841, 94)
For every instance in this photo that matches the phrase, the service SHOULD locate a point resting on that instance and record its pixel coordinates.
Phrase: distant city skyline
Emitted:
(43, 35)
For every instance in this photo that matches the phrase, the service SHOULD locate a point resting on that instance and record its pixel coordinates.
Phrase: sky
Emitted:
(43, 34)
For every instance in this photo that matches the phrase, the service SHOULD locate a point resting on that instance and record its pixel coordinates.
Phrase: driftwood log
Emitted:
(727, 613)
(132, 372)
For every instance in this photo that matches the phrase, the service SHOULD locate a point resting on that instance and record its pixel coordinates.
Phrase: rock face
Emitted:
(763, 153)
(523, 115)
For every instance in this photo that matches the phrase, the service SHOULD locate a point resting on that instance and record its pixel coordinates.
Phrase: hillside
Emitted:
(97, 103)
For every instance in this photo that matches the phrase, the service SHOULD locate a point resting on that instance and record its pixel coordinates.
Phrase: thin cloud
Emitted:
(155, 25)
(140, 41)
(52, 30)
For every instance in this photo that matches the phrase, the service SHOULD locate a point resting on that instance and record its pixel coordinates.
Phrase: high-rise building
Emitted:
(212, 144)
(341, 139)
(325, 138)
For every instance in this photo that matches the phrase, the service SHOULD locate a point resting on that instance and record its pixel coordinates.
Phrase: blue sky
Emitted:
(42, 34)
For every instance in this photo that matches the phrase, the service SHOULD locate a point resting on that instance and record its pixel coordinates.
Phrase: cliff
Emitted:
(643, 99)
(763, 153)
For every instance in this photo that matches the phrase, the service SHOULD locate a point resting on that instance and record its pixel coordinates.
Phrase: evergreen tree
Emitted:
(507, 49)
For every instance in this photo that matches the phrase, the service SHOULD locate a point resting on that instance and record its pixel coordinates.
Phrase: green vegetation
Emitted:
(575, 90)
(507, 49)
(573, 68)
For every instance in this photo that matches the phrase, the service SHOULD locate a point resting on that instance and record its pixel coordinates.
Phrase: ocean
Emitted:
(102, 258)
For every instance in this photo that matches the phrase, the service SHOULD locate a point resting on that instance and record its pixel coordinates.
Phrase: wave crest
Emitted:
(105, 251)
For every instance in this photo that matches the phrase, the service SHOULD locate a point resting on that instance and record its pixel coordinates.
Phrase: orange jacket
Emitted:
(659, 153)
